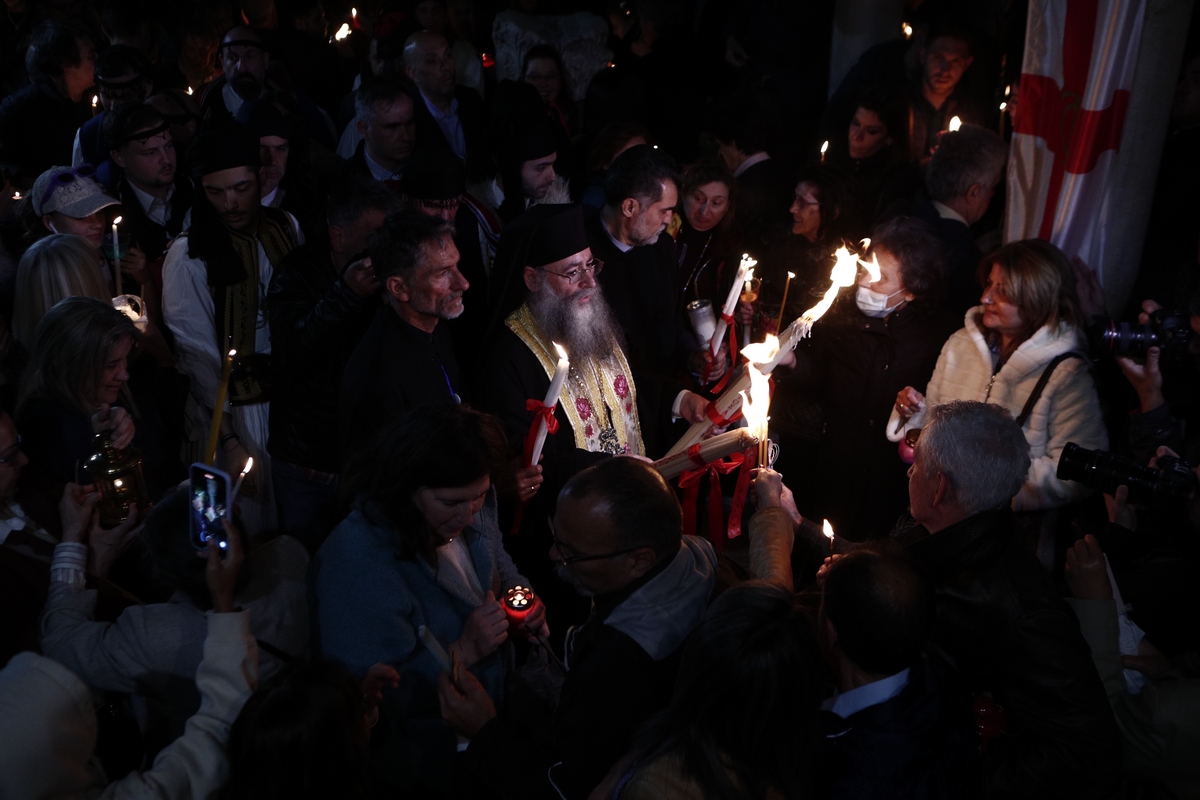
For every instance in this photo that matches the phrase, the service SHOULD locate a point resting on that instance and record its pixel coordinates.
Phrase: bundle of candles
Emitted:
(765, 357)
(735, 441)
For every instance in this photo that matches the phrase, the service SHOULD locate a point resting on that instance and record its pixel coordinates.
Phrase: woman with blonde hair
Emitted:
(76, 385)
(1029, 326)
(58, 266)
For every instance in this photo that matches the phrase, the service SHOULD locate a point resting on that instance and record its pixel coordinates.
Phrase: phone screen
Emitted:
(209, 495)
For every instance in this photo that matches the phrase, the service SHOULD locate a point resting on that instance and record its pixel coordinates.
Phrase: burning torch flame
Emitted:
(827, 529)
(342, 32)
(955, 124)
(756, 407)
(845, 273)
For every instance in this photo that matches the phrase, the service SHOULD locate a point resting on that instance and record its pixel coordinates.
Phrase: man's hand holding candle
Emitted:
(692, 407)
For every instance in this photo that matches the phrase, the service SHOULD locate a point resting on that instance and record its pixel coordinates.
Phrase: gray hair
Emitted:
(981, 451)
(965, 157)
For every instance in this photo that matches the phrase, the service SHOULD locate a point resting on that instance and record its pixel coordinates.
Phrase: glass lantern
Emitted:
(118, 477)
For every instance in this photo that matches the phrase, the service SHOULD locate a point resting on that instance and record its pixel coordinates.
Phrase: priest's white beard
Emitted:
(588, 331)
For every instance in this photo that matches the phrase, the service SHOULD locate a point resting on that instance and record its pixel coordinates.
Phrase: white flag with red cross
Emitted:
(1067, 127)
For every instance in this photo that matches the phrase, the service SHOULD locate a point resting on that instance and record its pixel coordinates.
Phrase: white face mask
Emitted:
(873, 303)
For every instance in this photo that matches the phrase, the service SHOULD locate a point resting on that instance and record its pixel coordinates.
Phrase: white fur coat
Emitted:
(1067, 411)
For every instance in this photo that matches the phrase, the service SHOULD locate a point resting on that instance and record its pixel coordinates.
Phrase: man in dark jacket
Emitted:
(960, 182)
(384, 116)
(639, 280)
(38, 122)
(406, 358)
(999, 617)
(897, 727)
(617, 539)
(321, 301)
(446, 113)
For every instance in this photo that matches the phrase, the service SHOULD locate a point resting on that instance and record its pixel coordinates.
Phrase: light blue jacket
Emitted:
(369, 604)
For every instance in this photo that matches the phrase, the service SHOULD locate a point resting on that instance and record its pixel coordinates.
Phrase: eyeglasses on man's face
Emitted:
(567, 555)
(574, 276)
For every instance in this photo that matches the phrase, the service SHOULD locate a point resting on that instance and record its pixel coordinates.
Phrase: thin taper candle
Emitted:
(783, 305)
(214, 432)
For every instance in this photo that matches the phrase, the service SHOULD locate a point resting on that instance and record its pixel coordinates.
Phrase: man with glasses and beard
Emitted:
(406, 358)
(597, 415)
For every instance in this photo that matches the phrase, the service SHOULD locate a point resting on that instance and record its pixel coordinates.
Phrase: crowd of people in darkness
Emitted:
(342, 348)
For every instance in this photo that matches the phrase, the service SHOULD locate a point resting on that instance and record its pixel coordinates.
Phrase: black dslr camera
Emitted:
(1098, 469)
(1169, 330)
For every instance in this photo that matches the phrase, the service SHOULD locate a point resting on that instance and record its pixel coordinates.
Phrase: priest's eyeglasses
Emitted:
(574, 276)
(567, 560)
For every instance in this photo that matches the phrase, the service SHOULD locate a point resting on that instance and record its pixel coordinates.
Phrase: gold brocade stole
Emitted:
(600, 399)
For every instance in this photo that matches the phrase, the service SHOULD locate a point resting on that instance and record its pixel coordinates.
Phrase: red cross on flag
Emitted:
(1071, 105)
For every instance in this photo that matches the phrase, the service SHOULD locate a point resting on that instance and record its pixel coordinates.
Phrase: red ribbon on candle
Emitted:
(690, 483)
(540, 412)
(711, 412)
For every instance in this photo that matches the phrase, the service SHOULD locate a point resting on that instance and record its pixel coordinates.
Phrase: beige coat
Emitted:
(1067, 411)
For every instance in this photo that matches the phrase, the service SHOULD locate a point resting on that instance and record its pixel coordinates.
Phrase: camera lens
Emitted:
(1125, 339)
(1104, 472)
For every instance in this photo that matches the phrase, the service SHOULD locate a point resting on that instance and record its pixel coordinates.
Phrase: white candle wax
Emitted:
(735, 292)
(551, 401)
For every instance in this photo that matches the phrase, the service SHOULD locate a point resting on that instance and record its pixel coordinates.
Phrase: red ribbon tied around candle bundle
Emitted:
(690, 483)
(540, 413)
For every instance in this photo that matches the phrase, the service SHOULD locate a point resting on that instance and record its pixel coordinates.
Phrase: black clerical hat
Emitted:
(434, 173)
(531, 141)
(223, 146)
(264, 118)
(549, 232)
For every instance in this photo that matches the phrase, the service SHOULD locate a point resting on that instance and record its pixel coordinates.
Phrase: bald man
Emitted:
(445, 112)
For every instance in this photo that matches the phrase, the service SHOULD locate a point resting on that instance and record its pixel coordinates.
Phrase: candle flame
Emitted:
(16, 195)
(845, 273)
(1007, 89)
(249, 464)
(906, 29)
(824, 148)
(562, 354)
(791, 276)
(955, 124)
(95, 100)
(189, 90)
(872, 267)
(1003, 106)
(232, 353)
(827, 529)
(749, 275)
(118, 483)
(354, 12)
(117, 219)
(342, 32)
(757, 405)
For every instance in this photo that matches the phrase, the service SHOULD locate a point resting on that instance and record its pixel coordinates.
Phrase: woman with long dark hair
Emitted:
(742, 722)
(421, 548)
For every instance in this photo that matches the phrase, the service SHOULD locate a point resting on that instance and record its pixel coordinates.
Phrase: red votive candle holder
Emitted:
(519, 603)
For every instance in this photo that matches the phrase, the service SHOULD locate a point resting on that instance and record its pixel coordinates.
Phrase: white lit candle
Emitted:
(237, 487)
(735, 292)
(551, 401)
(120, 281)
(824, 150)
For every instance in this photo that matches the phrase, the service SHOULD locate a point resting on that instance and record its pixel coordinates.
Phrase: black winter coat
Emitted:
(854, 366)
(1009, 633)
(316, 322)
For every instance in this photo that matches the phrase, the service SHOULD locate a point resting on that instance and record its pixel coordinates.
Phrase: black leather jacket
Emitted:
(1001, 622)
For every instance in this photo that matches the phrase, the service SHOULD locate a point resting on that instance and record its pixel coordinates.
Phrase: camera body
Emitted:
(1099, 469)
(1169, 330)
